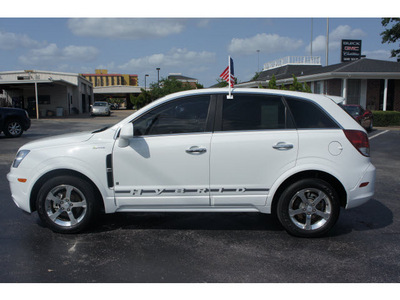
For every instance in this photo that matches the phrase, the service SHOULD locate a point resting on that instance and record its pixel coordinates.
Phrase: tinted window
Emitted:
(253, 112)
(354, 111)
(308, 115)
(181, 116)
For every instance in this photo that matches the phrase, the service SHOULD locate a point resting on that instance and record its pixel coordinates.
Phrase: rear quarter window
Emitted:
(308, 115)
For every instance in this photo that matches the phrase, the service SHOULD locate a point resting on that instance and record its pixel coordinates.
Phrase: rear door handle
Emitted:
(282, 146)
(196, 150)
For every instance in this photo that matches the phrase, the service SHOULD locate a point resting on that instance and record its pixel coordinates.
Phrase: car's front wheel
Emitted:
(67, 204)
(308, 208)
(13, 128)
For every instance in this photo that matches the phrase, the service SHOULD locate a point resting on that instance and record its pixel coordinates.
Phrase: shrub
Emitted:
(386, 118)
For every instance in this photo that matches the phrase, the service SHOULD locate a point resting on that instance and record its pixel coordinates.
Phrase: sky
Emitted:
(194, 44)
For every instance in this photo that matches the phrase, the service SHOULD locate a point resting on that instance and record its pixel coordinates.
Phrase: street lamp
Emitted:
(258, 61)
(158, 76)
(145, 80)
(36, 93)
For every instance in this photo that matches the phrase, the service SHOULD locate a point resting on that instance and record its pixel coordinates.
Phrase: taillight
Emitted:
(359, 140)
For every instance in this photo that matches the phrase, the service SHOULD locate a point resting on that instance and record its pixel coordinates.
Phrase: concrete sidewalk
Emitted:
(396, 128)
(116, 116)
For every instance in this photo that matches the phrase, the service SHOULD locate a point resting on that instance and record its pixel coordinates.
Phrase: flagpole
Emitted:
(229, 83)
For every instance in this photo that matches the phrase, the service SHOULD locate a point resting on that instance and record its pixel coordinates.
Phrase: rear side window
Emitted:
(308, 115)
(254, 112)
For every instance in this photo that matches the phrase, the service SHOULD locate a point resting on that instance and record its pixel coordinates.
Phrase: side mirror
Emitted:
(125, 134)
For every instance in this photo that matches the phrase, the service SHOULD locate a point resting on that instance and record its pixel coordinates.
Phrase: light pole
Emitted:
(258, 60)
(327, 40)
(158, 76)
(36, 94)
(145, 80)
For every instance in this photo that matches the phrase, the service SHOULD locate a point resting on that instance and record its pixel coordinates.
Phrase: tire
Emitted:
(370, 127)
(308, 208)
(67, 204)
(13, 128)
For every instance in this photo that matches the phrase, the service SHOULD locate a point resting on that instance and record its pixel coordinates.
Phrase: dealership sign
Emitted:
(351, 50)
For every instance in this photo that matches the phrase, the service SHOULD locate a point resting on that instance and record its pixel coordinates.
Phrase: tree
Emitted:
(222, 83)
(166, 87)
(298, 86)
(169, 86)
(272, 83)
(392, 34)
(255, 77)
(141, 100)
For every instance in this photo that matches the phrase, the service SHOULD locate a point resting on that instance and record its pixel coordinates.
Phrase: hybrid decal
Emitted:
(181, 191)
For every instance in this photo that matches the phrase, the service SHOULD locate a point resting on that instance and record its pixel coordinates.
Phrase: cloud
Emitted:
(266, 43)
(379, 54)
(52, 54)
(127, 29)
(335, 38)
(203, 23)
(11, 41)
(176, 58)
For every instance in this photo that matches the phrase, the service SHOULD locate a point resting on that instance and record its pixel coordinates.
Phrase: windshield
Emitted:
(100, 104)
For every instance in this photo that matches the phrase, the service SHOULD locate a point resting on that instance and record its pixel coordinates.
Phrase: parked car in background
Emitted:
(299, 156)
(361, 115)
(114, 106)
(14, 121)
(100, 109)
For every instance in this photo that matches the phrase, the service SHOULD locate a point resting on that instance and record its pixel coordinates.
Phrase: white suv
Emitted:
(298, 155)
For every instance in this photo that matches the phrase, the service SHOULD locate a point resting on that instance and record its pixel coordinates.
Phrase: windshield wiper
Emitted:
(101, 130)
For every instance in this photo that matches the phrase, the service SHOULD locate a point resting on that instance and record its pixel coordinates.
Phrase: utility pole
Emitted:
(158, 76)
(145, 76)
(311, 35)
(327, 40)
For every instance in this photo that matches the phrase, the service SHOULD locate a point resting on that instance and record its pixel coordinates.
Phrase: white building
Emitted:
(46, 93)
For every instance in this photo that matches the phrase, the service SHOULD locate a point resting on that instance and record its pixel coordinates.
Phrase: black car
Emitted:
(14, 121)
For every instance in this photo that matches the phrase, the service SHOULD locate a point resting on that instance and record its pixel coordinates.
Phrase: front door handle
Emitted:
(282, 146)
(196, 150)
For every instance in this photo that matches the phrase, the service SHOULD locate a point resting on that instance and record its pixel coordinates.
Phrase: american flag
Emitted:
(228, 73)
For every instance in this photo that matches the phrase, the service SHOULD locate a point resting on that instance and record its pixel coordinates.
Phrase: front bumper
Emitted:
(361, 194)
(100, 112)
(19, 192)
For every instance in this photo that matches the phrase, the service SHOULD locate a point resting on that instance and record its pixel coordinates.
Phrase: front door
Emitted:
(167, 161)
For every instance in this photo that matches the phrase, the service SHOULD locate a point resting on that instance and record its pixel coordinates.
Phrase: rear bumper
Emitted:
(363, 191)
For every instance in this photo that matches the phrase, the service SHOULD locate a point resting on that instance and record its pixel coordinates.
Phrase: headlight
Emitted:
(20, 156)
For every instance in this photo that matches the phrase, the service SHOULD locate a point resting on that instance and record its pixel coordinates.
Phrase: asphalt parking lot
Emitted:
(364, 246)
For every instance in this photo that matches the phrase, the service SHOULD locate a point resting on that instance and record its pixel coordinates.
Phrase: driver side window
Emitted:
(181, 116)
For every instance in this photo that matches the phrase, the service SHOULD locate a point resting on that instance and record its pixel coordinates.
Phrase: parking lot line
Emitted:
(378, 134)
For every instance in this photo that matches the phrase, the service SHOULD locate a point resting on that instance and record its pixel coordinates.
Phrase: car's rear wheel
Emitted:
(308, 208)
(13, 128)
(67, 204)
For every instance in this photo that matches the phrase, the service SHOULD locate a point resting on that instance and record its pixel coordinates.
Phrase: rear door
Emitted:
(253, 144)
